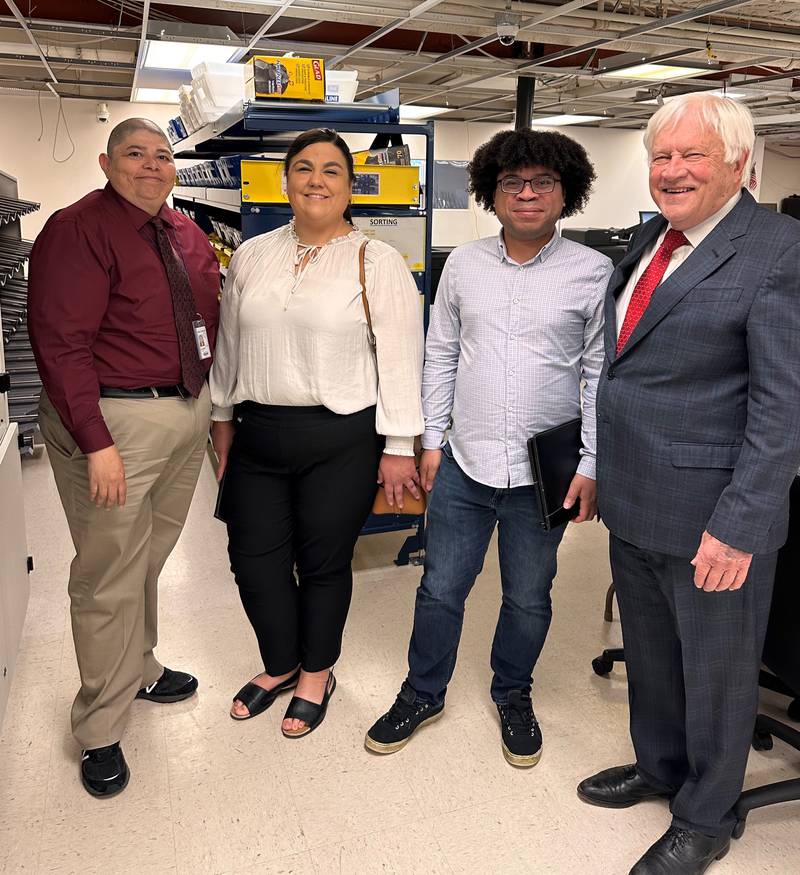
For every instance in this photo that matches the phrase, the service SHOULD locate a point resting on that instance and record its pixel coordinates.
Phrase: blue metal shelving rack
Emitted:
(258, 127)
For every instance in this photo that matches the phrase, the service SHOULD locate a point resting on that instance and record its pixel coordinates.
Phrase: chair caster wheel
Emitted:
(793, 711)
(738, 830)
(762, 741)
(602, 666)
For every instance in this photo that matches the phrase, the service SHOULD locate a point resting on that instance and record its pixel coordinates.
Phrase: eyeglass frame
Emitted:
(529, 181)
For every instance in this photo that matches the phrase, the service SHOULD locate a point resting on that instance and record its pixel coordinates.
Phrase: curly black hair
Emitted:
(513, 150)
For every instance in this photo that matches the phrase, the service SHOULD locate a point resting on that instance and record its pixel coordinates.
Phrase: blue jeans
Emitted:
(462, 516)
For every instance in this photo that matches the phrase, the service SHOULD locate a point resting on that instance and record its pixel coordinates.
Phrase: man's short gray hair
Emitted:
(732, 122)
(121, 131)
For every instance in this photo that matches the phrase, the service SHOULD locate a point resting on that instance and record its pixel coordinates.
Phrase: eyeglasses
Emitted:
(538, 184)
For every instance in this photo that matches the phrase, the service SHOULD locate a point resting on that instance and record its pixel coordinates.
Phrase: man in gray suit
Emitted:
(698, 442)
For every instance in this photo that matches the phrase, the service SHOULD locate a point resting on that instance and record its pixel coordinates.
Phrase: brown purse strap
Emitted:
(362, 276)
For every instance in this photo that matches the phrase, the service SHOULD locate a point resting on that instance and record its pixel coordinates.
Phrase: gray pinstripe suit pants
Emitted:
(693, 659)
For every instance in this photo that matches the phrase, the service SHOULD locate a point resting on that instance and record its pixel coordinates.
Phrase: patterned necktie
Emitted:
(647, 283)
(184, 308)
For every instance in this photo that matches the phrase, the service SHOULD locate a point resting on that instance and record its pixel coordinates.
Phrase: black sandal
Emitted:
(256, 699)
(311, 713)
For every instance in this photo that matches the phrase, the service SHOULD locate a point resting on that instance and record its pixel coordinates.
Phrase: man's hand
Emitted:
(429, 467)
(585, 489)
(718, 567)
(221, 439)
(394, 473)
(106, 477)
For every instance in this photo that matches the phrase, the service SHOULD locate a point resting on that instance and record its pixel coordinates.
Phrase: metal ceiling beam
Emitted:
(556, 12)
(82, 82)
(33, 41)
(142, 43)
(414, 12)
(74, 28)
(541, 63)
(240, 53)
(658, 24)
(69, 62)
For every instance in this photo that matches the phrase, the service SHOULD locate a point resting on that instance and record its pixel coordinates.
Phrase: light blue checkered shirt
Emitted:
(507, 350)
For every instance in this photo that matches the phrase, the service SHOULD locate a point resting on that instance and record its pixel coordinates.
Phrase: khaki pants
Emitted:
(120, 552)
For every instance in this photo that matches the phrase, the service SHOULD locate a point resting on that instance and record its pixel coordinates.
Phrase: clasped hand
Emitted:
(396, 472)
(718, 566)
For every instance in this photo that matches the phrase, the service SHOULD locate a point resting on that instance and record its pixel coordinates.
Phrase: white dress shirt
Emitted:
(695, 236)
(300, 338)
(508, 348)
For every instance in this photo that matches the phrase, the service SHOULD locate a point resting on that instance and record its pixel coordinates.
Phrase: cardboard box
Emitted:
(287, 78)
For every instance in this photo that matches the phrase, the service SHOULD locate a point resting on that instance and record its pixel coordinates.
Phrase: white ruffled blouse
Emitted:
(301, 339)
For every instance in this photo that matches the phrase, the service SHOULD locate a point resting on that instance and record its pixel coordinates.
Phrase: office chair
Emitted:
(782, 658)
(602, 665)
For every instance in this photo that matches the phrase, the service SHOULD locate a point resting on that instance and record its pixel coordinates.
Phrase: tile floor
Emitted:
(208, 795)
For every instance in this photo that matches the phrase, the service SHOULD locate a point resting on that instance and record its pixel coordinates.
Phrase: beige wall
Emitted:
(780, 177)
(30, 158)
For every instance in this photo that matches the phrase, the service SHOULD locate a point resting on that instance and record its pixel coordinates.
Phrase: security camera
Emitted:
(507, 27)
(103, 115)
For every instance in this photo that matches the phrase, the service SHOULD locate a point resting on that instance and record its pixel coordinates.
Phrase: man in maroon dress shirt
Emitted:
(123, 308)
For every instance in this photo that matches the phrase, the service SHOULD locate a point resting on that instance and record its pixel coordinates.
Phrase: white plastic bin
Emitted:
(341, 86)
(221, 84)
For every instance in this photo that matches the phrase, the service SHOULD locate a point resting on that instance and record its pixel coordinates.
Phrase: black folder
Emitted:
(555, 454)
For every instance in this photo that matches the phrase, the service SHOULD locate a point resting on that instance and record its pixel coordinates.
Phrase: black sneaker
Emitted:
(172, 686)
(522, 738)
(104, 771)
(392, 731)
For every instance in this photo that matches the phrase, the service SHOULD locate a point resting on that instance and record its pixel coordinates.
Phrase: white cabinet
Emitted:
(14, 587)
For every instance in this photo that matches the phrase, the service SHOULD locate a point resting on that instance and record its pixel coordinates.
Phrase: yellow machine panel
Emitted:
(379, 185)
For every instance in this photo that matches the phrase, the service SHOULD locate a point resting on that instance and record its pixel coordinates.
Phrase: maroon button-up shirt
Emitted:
(100, 307)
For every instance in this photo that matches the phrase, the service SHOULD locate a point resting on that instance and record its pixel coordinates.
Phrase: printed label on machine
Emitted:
(368, 184)
(405, 233)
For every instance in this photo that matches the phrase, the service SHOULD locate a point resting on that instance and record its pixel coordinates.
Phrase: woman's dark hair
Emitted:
(513, 150)
(323, 135)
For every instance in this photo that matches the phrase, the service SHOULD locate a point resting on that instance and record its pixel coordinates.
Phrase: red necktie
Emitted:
(647, 283)
(184, 308)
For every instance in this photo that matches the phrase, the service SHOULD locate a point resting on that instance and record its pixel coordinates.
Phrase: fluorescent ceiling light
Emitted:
(413, 111)
(183, 56)
(558, 120)
(658, 72)
(155, 95)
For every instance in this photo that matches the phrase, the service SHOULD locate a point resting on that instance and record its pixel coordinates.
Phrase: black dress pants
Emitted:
(693, 659)
(299, 484)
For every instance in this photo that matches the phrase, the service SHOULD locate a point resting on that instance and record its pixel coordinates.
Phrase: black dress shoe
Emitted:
(172, 686)
(104, 772)
(682, 852)
(618, 787)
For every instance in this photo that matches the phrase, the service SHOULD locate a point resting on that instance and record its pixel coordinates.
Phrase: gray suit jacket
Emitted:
(698, 419)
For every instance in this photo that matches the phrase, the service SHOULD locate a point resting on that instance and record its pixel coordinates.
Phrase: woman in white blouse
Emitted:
(307, 416)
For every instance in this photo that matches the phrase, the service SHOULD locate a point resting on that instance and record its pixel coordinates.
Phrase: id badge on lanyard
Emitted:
(201, 338)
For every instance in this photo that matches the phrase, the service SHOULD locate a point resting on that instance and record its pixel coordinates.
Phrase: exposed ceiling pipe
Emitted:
(141, 49)
(29, 33)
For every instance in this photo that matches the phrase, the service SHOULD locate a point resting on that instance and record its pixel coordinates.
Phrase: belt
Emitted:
(146, 392)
